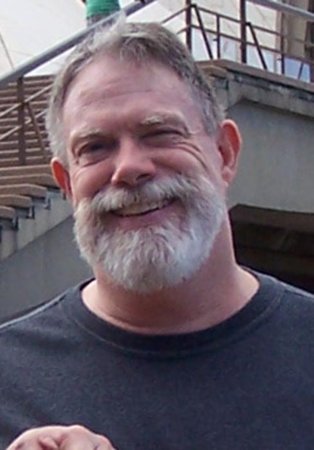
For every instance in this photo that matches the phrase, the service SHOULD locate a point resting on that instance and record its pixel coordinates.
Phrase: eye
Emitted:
(162, 136)
(165, 132)
(95, 151)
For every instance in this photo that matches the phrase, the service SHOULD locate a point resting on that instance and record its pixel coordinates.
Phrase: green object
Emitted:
(101, 7)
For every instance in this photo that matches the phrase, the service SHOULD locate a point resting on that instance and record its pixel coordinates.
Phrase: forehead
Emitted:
(108, 84)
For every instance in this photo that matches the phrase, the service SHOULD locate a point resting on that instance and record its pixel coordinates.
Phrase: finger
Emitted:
(44, 438)
(27, 445)
(48, 443)
(92, 442)
(80, 438)
(75, 437)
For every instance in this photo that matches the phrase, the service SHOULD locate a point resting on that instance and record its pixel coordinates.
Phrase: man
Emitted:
(172, 345)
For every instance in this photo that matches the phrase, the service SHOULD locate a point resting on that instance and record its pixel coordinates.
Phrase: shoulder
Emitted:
(273, 287)
(40, 316)
(293, 308)
(29, 322)
(294, 297)
(298, 305)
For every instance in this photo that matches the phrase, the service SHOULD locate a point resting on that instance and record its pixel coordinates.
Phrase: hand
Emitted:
(73, 437)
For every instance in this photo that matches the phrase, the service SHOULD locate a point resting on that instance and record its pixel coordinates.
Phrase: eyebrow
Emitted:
(164, 119)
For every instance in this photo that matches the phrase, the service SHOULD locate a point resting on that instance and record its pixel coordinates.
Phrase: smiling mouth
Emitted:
(139, 209)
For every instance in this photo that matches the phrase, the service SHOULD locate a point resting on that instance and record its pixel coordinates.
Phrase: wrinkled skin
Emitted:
(73, 437)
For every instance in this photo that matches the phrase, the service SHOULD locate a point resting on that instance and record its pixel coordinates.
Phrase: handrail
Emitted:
(67, 44)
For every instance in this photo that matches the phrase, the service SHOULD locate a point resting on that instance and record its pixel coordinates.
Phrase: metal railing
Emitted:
(208, 34)
(239, 39)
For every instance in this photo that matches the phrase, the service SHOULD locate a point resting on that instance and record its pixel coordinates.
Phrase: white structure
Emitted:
(29, 27)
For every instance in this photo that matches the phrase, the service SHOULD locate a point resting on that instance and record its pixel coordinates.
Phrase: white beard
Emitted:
(153, 257)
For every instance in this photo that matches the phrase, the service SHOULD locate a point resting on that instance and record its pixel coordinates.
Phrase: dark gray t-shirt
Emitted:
(246, 384)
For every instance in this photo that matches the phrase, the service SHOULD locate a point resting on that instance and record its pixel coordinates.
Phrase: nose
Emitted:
(133, 165)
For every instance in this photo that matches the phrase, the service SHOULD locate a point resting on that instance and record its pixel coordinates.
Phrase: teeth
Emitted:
(139, 208)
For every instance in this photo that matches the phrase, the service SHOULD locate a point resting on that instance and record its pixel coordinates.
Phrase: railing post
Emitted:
(21, 121)
(188, 24)
(282, 52)
(38, 133)
(203, 31)
(218, 38)
(243, 45)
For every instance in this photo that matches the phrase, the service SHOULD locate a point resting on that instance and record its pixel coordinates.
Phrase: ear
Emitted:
(229, 145)
(61, 176)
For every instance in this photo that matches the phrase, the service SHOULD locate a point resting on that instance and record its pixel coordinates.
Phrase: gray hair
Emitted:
(135, 42)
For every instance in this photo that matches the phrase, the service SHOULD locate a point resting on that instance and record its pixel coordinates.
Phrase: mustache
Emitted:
(179, 187)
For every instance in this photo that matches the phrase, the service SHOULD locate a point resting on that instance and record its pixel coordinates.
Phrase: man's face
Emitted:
(145, 177)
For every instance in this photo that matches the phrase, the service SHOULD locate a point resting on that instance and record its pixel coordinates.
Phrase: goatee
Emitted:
(154, 257)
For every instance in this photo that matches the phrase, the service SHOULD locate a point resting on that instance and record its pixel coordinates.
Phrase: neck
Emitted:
(217, 291)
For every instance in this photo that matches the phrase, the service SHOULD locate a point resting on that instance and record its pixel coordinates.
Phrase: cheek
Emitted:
(192, 160)
(180, 159)
(87, 181)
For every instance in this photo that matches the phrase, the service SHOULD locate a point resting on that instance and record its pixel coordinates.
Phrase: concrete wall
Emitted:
(40, 270)
(276, 117)
(276, 166)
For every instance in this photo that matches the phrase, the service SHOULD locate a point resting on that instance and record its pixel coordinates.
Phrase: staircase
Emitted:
(27, 188)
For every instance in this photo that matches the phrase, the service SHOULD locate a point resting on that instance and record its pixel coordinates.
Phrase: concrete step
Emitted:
(25, 170)
(27, 189)
(13, 136)
(14, 153)
(16, 201)
(7, 213)
(30, 160)
(39, 179)
(12, 144)
(30, 138)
